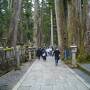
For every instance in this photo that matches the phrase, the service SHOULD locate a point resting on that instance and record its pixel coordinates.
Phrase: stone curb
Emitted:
(79, 78)
(22, 79)
(84, 68)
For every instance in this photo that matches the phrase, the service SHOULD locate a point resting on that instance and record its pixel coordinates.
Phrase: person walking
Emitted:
(38, 53)
(56, 54)
(44, 54)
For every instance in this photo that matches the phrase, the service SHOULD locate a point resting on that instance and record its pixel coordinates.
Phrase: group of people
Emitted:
(41, 52)
(44, 52)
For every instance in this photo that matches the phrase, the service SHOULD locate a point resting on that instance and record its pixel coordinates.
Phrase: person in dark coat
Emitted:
(44, 54)
(56, 54)
(38, 53)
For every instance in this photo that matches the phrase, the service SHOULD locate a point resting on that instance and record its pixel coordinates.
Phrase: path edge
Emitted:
(78, 77)
(22, 79)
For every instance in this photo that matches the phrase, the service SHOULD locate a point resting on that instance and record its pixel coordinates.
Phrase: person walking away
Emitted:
(56, 54)
(38, 53)
(44, 54)
(47, 51)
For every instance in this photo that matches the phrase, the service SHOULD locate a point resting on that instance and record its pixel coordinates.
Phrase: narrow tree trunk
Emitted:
(36, 22)
(41, 38)
(21, 31)
(60, 22)
(57, 11)
(39, 33)
(52, 42)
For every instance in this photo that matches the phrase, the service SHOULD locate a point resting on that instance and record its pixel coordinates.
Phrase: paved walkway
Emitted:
(8, 81)
(46, 76)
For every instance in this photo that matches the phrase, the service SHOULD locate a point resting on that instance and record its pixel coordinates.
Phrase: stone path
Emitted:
(46, 76)
(8, 81)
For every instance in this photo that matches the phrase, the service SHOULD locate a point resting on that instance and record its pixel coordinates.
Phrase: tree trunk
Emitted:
(14, 27)
(12, 39)
(83, 27)
(36, 22)
(52, 42)
(59, 10)
(41, 38)
(77, 12)
(88, 30)
(72, 26)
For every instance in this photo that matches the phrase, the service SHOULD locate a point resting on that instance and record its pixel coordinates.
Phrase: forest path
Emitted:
(44, 75)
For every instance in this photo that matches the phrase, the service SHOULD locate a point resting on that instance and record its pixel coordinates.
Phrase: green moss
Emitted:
(8, 49)
(83, 58)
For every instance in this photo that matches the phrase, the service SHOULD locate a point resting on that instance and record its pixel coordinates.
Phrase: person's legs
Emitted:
(39, 57)
(56, 62)
(44, 58)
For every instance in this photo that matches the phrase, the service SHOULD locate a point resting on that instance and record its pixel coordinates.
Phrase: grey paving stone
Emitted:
(47, 87)
(47, 76)
(58, 87)
(35, 87)
(24, 88)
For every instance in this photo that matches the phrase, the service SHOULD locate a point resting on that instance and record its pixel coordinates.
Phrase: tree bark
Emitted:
(52, 41)
(59, 10)
(12, 39)
(36, 23)
(72, 26)
(83, 27)
(77, 12)
(88, 30)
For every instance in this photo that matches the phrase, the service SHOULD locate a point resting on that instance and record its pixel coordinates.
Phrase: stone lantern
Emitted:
(30, 50)
(74, 51)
